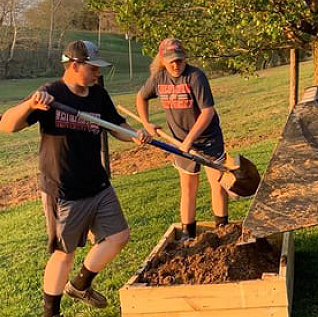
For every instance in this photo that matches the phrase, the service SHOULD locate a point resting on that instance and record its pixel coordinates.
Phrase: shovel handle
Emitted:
(174, 150)
(159, 131)
(90, 118)
(114, 127)
(64, 108)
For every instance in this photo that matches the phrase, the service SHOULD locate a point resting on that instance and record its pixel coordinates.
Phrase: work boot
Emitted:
(221, 221)
(89, 296)
(189, 231)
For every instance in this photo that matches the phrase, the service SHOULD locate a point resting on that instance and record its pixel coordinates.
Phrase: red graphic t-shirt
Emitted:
(183, 98)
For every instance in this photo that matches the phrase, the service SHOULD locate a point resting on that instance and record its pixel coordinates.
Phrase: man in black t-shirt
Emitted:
(76, 193)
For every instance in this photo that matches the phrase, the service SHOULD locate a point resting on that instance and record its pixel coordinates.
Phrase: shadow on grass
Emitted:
(305, 301)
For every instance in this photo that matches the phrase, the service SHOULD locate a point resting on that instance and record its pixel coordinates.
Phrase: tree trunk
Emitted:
(104, 141)
(294, 78)
(13, 42)
(130, 57)
(51, 31)
(315, 61)
(59, 43)
(99, 30)
(54, 5)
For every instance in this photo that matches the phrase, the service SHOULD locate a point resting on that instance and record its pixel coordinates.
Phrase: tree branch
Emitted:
(294, 37)
(312, 5)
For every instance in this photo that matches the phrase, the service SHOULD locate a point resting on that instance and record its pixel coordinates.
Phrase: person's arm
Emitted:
(203, 120)
(142, 109)
(142, 135)
(204, 98)
(15, 118)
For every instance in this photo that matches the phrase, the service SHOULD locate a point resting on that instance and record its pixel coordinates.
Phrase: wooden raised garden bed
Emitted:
(269, 295)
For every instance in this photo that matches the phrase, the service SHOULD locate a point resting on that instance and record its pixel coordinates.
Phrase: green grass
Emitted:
(306, 260)
(252, 112)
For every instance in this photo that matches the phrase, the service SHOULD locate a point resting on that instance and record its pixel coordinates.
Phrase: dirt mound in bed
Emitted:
(213, 257)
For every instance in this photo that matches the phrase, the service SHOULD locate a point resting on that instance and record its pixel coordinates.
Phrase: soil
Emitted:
(137, 160)
(213, 257)
(19, 191)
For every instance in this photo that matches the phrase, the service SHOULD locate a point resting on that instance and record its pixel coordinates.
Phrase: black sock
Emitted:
(221, 221)
(84, 279)
(190, 229)
(52, 305)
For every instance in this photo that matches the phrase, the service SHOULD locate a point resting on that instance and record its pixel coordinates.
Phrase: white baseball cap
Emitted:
(83, 52)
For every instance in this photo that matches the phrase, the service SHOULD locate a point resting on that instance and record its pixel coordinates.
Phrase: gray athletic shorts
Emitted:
(69, 221)
(210, 149)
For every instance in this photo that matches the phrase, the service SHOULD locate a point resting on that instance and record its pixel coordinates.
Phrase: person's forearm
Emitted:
(203, 120)
(14, 119)
(142, 109)
(140, 138)
(122, 136)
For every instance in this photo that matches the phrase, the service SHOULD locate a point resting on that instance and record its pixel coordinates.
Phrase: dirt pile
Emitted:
(213, 257)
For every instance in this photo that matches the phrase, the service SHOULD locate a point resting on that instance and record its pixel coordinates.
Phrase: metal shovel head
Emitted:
(242, 181)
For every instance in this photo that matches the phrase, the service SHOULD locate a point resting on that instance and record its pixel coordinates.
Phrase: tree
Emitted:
(9, 25)
(5, 8)
(54, 5)
(69, 14)
(58, 16)
(239, 31)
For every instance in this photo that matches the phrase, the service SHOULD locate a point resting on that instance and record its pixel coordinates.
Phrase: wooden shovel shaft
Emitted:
(159, 131)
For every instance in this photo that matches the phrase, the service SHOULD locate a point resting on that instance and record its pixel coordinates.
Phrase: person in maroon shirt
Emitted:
(76, 192)
(186, 97)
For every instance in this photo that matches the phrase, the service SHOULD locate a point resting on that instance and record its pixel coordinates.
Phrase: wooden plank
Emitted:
(310, 94)
(256, 293)
(290, 275)
(287, 198)
(287, 266)
(259, 312)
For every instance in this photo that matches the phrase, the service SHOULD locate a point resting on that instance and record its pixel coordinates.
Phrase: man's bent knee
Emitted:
(120, 239)
(61, 256)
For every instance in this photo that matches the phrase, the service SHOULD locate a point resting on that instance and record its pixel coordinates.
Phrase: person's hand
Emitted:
(41, 100)
(185, 146)
(142, 137)
(152, 128)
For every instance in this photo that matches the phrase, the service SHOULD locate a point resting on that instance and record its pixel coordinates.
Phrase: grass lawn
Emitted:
(252, 112)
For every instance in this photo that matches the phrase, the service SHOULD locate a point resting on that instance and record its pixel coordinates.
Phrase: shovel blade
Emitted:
(242, 181)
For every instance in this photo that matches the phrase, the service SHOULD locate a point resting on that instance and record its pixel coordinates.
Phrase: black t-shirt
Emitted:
(70, 159)
(183, 98)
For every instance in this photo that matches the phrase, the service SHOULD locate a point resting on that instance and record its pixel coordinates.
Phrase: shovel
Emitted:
(242, 181)
(231, 163)
(240, 177)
